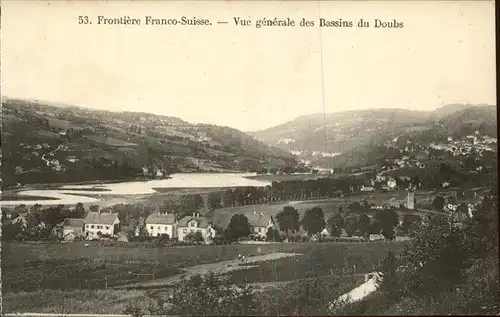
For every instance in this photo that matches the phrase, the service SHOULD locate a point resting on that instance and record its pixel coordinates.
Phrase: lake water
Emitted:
(67, 195)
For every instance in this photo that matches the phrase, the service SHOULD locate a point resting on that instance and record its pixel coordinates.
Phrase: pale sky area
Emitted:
(249, 78)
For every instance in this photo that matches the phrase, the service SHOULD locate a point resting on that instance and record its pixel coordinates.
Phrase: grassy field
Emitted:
(319, 260)
(110, 141)
(76, 301)
(40, 273)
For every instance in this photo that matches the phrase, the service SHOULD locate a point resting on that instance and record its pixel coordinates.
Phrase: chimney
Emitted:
(194, 214)
(254, 212)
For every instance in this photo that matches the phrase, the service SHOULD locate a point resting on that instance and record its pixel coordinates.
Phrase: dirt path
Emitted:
(221, 267)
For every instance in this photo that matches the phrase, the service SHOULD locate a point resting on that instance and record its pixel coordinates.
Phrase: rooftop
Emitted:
(73, 222)
(203, 222)
(258, 219)
(160, 218)
(101, 218)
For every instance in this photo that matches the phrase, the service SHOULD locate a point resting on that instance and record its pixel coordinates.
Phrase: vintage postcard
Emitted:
(249, 158)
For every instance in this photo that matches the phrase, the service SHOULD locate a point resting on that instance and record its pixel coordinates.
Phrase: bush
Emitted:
(208, 295)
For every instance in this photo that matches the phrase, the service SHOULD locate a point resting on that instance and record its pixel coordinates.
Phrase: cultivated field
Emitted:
(34, 275)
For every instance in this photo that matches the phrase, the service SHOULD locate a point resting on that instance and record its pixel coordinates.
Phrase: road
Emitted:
(54, 151)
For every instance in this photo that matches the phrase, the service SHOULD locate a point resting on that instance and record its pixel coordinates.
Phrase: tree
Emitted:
(209, 295)
(194, 236)
(388, 219)
(436, 256)
(409, 221)
(364, 225)
(288, 219)
(355, 207)
(11, 230)
(94, 208)
(482, 229)
(389, 283)
(79, 211)
(273, 235)
(438, 203)
(313, 220)
(351, 225)
(214, 200)
(143, 232)
(336, 223)
(238, 227)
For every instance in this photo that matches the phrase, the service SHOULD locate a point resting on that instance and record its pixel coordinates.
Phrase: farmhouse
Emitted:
(72, 228)
(376, 237)
(260, 223)
(194, 223)
(158, 224)
(98, 223)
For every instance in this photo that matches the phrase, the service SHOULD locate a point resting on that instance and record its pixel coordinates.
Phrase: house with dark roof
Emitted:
(72, 228)
(100, 223)
(194, 223)
(159, 223)
(260, 223)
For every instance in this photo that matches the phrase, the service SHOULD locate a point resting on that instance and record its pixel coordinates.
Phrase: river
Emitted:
(72, 194)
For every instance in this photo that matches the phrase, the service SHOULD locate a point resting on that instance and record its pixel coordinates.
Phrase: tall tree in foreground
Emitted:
(314, 220)
(436, 255)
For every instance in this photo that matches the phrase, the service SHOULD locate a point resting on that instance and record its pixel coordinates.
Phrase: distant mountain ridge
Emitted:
(349, 130)
(47, 143)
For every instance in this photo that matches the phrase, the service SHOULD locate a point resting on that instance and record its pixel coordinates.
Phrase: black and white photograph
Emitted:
(249, 158)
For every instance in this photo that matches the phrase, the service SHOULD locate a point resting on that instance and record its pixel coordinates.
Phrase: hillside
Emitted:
(354, 133)
(468, 120)
(47, 143)
(344, 130)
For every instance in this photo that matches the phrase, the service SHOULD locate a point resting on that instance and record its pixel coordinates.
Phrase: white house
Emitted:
(194, 223)
(158, 224)
(260, 223)
(376, 237)
(367, 188)
(98, 223)
(391, 183)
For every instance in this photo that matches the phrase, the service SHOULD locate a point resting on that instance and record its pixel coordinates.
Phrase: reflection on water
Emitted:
(72, 194)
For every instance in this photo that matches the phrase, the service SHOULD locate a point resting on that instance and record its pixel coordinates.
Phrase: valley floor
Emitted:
(48, 277)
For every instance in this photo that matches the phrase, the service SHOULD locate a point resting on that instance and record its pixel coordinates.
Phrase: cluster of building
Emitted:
(97, 225)
(466, 146)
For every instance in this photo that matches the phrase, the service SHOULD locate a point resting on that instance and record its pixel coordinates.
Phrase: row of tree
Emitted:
(385, 222)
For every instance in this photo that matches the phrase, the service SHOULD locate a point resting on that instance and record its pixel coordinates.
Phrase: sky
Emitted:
(246, 77)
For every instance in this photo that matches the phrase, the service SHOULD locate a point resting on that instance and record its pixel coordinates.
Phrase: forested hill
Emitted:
(359, 131)
(47, 143)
